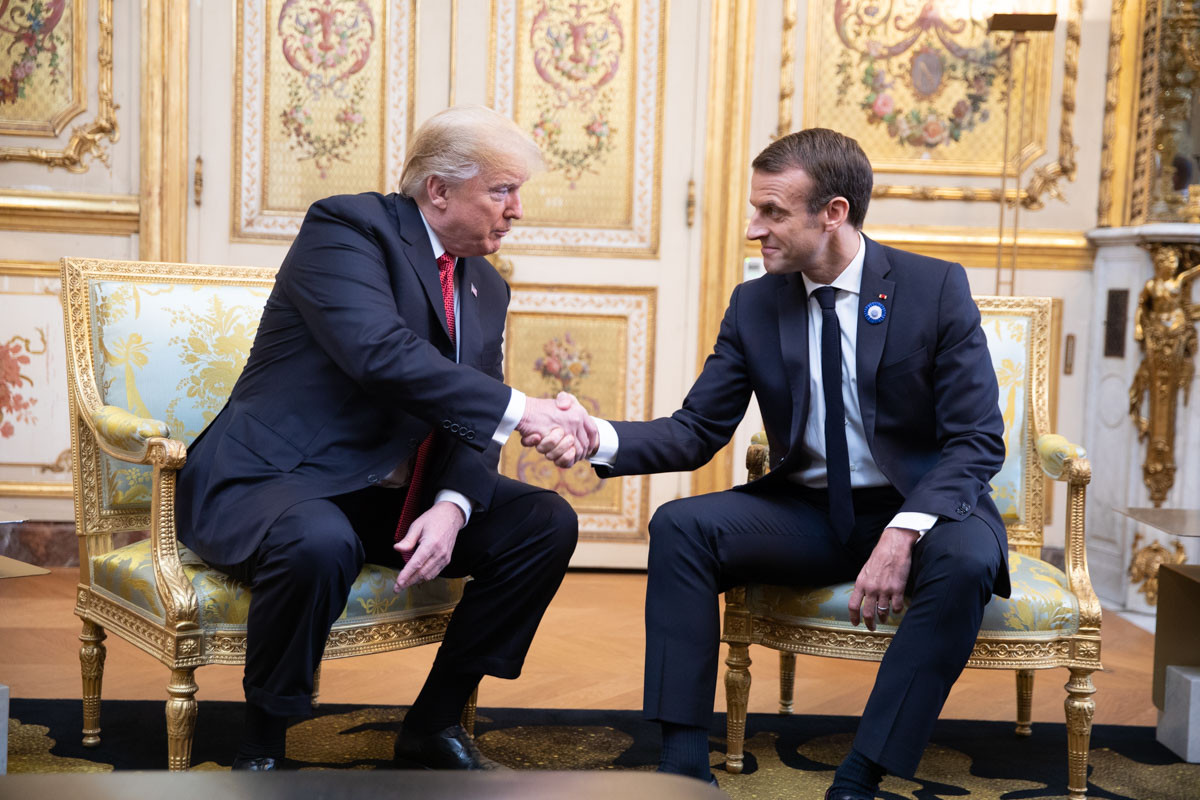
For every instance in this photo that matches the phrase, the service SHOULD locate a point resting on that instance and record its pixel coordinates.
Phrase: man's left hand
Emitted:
(880, 585)
(428, 545)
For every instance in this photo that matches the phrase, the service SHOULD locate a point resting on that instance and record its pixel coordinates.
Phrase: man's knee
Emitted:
(969, 558)
(558, 524)
(675, 525)
(315, 543)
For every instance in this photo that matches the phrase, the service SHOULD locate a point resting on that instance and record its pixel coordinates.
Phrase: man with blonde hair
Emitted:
(366, 427)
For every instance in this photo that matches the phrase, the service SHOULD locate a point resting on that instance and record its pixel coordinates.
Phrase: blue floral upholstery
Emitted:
(1008, 337)
(1040, 604)
(193, 338)
(127, 576)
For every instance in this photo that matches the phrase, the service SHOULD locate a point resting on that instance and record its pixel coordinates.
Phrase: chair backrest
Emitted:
(162, 341)
(1018, 333)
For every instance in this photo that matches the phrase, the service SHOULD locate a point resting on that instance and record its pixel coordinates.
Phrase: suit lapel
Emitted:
(871, 336)
(420, 257)
(467, 324)
(793, 344)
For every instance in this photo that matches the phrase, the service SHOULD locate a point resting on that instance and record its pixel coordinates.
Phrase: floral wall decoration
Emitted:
(922, 85)
(584, 78)
(324, 105)
(42, 47)
(596, 344)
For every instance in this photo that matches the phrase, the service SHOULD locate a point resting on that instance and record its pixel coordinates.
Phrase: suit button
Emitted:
(372, 478)
(962, 509)
(446, 424)
(454, 428)
(470, 435)
(412, 442)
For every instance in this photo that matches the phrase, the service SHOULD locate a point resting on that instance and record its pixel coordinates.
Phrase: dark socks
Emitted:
(858, 775)
(441, 701)
(685, 751)
(264, 735)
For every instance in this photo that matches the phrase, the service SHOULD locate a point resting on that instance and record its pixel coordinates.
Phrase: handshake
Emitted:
(560, 429)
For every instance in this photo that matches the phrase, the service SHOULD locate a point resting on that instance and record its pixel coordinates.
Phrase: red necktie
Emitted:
(412, 500)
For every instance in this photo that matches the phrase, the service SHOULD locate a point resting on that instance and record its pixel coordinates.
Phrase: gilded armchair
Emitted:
(1052, 618)
(153, 350)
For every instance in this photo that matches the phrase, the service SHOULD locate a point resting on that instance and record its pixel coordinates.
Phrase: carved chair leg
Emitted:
(787, 682)
(737, 696)
(1080, 710)
(1024, 702)
(91, 664)
(468, 715)
(316, 695)
(181, 718)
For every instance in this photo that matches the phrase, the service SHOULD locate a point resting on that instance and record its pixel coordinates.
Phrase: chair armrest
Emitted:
(132, 438)
(1054, 450)
(758, 456)
(1064, 461)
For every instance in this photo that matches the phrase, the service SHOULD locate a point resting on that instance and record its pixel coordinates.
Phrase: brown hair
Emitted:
(834, 162)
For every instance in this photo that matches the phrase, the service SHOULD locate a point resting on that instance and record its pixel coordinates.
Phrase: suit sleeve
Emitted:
(467, 471)
(336, 277)
(967, 418)
(714, 406)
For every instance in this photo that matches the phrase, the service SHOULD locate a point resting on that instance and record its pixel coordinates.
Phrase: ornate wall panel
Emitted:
(42, 76)
(585, 79)
(35, 445)
(43, 49)
(324, 94)
(597, 344)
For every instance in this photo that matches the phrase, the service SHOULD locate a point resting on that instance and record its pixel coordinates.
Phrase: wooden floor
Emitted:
(587, 654)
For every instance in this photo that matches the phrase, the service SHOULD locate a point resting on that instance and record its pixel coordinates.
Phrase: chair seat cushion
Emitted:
(127, 575)
(1040, 604)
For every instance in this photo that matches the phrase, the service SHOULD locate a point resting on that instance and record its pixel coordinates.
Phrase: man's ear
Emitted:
(437, 188)
(835, 213)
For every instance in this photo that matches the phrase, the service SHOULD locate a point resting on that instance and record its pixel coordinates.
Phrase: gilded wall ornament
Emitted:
(1164, 326)
(1143, 568)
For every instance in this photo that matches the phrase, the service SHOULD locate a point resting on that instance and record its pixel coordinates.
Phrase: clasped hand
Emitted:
(560, 429)
(428, 544)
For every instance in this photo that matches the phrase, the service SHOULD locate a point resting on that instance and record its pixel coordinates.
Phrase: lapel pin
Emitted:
(875, 312)
(474, 291)
(882, 296)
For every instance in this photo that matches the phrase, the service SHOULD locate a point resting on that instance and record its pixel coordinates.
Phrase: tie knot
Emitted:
(826, 295)
(445, 262)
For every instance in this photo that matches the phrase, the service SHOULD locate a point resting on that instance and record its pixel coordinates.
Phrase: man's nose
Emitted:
(755, 230)
(513, 209)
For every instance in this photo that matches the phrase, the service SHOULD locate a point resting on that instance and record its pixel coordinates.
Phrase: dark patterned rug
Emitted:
(785, 756)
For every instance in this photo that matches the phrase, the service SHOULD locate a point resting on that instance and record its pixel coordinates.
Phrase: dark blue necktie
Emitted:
(837, 457)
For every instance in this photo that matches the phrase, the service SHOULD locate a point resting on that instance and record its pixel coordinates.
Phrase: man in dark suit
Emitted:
(880, 405)
(352, 425)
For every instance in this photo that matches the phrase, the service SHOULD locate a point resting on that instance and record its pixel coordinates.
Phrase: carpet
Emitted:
(785, 756)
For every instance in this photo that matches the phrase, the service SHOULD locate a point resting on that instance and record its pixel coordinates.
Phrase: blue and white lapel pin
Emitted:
(875, 312)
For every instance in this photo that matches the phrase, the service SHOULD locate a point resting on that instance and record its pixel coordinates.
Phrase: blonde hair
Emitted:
(463, 141)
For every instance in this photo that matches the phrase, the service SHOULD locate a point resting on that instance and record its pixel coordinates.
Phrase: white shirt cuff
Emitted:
(512, 417)
(606, 451)
(914, 521)
(459, 499)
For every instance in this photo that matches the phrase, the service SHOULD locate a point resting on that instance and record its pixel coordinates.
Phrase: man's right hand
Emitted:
(560, 429)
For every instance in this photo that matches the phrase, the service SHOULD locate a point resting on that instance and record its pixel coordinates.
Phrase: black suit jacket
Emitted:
(351, 367)
(926, 387)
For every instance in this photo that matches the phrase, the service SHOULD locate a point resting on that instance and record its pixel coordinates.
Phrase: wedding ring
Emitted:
(883, 608)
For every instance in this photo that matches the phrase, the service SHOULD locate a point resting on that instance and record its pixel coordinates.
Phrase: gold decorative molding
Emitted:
(787, 61)
(1120, 115)
(36, 489)
(68, 212)
(29, 269)
(1143, 567)
(162, 232)
(726, 164)
(976, 247)
(963, 194)
(85, 139)
(1164, 324)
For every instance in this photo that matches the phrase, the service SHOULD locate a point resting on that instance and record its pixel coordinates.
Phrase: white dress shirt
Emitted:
(516, 401)
(864, 472)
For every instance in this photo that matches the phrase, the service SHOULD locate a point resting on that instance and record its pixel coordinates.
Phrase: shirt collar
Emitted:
(851, 278)
(434, 241)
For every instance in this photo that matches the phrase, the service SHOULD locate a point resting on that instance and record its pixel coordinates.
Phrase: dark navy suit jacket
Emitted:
(926, 387)
(351, 367)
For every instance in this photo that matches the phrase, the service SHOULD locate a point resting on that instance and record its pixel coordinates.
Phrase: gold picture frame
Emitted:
(85, 143)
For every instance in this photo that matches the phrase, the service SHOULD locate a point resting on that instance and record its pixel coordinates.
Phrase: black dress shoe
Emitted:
(451, 748)
(845, 794)
(261, 764)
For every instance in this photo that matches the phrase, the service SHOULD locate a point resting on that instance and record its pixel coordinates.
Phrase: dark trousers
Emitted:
(700, 546)
(300, 577)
